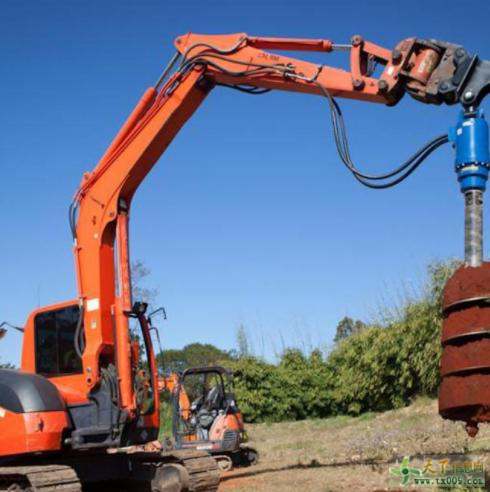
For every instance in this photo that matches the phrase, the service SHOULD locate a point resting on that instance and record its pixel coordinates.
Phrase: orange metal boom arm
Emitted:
(104, 197)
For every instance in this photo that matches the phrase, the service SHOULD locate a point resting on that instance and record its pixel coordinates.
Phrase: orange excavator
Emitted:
(206, 415)
(82, 409)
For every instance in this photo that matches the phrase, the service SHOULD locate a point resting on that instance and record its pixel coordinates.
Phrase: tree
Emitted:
(140, 292)
(243, 347)
(192, 355)
(347, 327)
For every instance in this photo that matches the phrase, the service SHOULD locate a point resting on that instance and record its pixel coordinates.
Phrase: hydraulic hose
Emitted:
(78, 340)
(400, 173)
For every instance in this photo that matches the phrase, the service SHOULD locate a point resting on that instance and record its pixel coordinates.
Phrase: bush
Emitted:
(376, 369)
(258, 390)
(385, 367)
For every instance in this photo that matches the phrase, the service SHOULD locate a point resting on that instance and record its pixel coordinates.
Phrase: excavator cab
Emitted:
(206, 417)
(33, 405)
(52, 359)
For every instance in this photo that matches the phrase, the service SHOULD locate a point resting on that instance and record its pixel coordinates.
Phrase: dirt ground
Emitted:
(355, 454)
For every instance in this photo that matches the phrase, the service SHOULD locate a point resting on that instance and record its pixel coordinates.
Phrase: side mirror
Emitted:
(5, 325)
(153, 313)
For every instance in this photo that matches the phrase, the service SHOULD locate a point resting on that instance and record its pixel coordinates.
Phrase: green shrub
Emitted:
(166, 417)
(375, 369)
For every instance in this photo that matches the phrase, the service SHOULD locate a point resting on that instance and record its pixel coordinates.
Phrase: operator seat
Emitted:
(213, 399)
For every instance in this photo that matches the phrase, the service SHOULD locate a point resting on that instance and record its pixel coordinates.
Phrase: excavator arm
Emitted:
(430, 71)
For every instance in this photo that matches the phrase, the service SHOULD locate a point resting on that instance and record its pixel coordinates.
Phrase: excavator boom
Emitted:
(102, 203)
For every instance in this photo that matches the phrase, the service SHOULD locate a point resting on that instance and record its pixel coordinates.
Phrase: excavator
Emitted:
(79, 411)
(206, 415)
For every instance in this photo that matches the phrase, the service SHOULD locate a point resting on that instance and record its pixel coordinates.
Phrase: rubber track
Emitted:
(47, 478)
(204, 475)
(202, 469)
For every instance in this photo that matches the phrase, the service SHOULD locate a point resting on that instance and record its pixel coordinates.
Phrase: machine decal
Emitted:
(93, 305)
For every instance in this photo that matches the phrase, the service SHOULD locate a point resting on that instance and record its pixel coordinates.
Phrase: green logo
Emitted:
(442, 473)
(405, 471)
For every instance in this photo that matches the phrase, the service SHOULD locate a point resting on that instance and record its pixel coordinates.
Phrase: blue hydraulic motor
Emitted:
(470, 140)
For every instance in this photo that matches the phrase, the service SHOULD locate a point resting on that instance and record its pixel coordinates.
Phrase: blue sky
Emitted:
(249, 217)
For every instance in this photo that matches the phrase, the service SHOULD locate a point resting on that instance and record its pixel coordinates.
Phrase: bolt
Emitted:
(396, 55)
(468, 96)
(358, 84)
(382, 85)
(444, 86)
(356, 40)
(460, 52)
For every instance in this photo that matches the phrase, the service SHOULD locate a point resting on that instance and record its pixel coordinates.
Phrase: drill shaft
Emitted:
(473, 247)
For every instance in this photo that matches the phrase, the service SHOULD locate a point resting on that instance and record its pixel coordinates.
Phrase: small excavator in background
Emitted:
(206, 415)
(81, 410)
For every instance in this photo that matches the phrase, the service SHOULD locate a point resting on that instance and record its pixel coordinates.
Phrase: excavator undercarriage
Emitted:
(119, 469)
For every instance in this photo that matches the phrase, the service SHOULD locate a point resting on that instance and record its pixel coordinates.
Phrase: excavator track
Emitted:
(41, 478)
(181, 470)
(203, 470)
(199, 472)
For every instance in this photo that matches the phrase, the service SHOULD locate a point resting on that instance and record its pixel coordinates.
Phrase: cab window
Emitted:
(55, 342)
